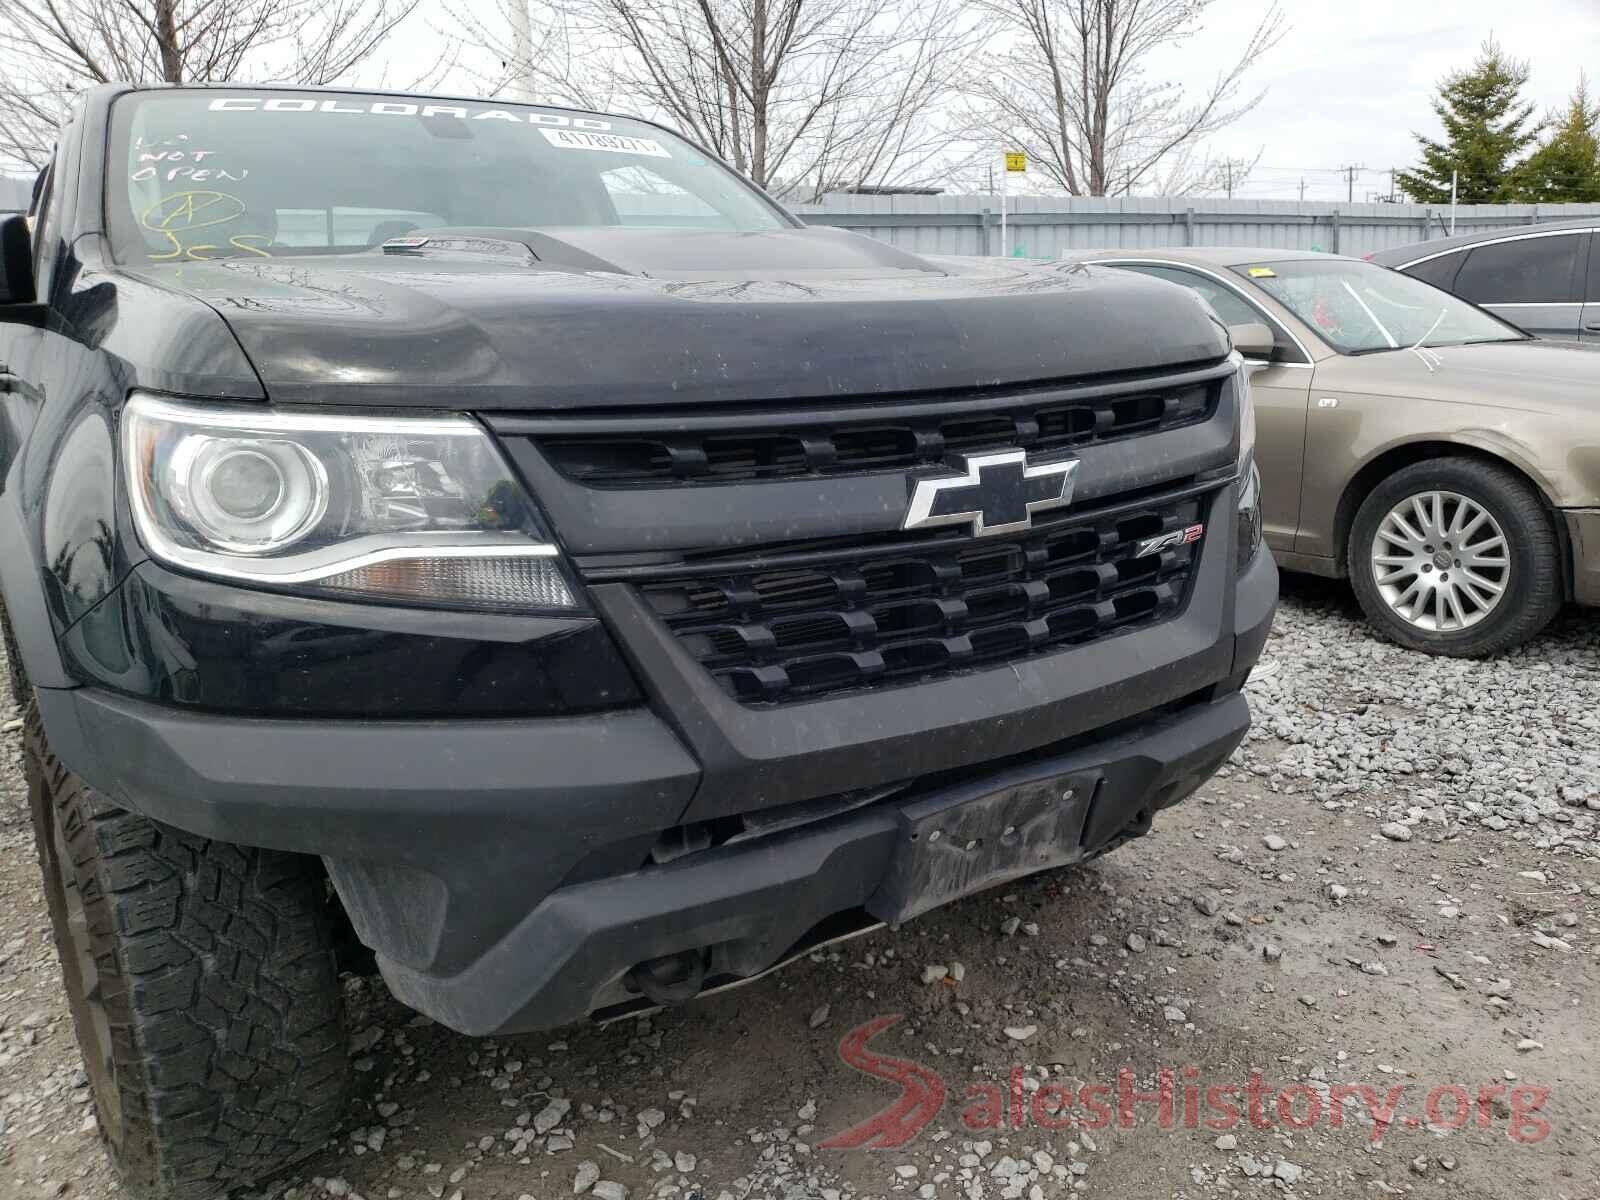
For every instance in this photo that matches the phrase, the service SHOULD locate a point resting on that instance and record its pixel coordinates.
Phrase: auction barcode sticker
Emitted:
(613, 143)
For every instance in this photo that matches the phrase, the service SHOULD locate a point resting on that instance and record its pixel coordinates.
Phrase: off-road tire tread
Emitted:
(1536, 587)
(219, 985)
(15, 671)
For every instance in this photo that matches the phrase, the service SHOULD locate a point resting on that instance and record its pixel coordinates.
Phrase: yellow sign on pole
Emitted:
(1016, 161)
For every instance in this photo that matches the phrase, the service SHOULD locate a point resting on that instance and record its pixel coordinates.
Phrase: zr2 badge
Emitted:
(1166, 541)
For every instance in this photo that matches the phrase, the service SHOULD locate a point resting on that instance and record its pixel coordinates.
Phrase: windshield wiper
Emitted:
(1429, 359)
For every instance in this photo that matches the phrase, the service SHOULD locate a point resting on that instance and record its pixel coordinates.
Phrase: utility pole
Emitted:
(1302, 189)
(520, 85)
(1350, 182)
(1005, 186)
(1229, 167)
(989, 242)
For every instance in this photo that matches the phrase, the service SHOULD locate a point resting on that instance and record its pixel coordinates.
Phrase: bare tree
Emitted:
(802, 96)
(1073, 90)
(50, 49)
(529, 50)
(1193, 170)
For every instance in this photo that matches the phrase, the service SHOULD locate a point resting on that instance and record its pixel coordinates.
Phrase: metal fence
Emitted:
(14, 194)
(1051, 226)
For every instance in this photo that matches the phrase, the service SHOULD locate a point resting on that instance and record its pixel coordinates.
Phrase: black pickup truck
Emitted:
(498, 541)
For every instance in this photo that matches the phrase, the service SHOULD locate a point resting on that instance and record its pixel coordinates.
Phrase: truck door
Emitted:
(19, 352)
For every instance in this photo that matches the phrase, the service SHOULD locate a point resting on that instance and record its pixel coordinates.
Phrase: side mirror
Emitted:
(1253, 341)
(17, 284)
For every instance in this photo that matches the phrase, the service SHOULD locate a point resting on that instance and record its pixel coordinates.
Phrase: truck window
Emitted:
(44, 223)
(208, 174)
(313, 227)
(644, 197)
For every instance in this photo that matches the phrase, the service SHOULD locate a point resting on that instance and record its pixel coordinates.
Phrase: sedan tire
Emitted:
(1457, 557)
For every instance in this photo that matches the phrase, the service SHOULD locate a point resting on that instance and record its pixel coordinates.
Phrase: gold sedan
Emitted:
(1444, 461)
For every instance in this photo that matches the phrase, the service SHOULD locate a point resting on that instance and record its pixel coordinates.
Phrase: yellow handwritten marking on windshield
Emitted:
(191, 210)
(198, 210)
(241, 241)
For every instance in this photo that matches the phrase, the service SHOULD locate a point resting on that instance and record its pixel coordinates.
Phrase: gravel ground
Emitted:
(1512, 745)
(1394, 885)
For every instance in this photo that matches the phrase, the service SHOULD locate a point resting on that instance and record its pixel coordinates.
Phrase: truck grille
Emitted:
(813, 621)
(1044, 421)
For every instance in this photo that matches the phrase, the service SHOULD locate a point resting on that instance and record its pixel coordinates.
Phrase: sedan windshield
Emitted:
(1359, 308)
(240, 174)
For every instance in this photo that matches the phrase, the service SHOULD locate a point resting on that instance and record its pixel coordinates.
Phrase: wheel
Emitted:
(201, 981)
(1455, 556)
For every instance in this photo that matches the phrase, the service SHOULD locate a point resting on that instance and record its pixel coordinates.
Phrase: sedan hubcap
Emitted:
(1441, 561)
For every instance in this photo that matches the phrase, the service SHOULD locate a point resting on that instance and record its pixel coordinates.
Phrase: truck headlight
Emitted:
(419, 509)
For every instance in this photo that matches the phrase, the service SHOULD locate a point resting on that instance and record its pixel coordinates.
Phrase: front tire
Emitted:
(201, 981)
(1457, 557)
(16, 674)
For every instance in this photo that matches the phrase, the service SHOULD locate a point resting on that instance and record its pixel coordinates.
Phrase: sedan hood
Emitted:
(1535, 376)
(560, 318)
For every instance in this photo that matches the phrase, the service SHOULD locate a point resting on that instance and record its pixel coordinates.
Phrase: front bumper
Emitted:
(750, 904)
(1583, 536)
(495, 865)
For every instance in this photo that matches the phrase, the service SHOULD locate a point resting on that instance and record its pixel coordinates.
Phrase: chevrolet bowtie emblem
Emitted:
(996, 492)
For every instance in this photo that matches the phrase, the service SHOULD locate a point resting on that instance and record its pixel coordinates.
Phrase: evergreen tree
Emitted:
(1566, 169)
(1486, 126)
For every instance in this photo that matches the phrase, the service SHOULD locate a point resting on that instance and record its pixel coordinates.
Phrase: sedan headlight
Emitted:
(1242, 371)
(1248, 520)
(419, 509)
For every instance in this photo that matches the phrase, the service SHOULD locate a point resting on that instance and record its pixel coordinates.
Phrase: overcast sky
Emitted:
(1349, 83)
(1353, 79)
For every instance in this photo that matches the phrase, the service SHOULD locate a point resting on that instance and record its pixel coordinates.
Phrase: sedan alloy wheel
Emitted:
(1455, 555)
(1441, 561)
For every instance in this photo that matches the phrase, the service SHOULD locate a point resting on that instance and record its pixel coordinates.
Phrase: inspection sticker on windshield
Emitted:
(1253, 272)
(613, 143)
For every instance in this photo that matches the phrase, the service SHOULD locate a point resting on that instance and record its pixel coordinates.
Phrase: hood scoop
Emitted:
(472, 247)
(658, 253)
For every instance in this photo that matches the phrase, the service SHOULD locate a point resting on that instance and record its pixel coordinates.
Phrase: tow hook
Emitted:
(672, 978)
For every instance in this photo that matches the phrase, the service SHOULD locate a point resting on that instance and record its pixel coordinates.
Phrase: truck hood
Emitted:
(561, 318)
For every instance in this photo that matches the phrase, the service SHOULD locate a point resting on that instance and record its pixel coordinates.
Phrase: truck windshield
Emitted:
(267, 174)
(1359, 308)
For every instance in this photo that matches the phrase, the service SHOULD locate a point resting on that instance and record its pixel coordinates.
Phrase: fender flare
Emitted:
(23, 595)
